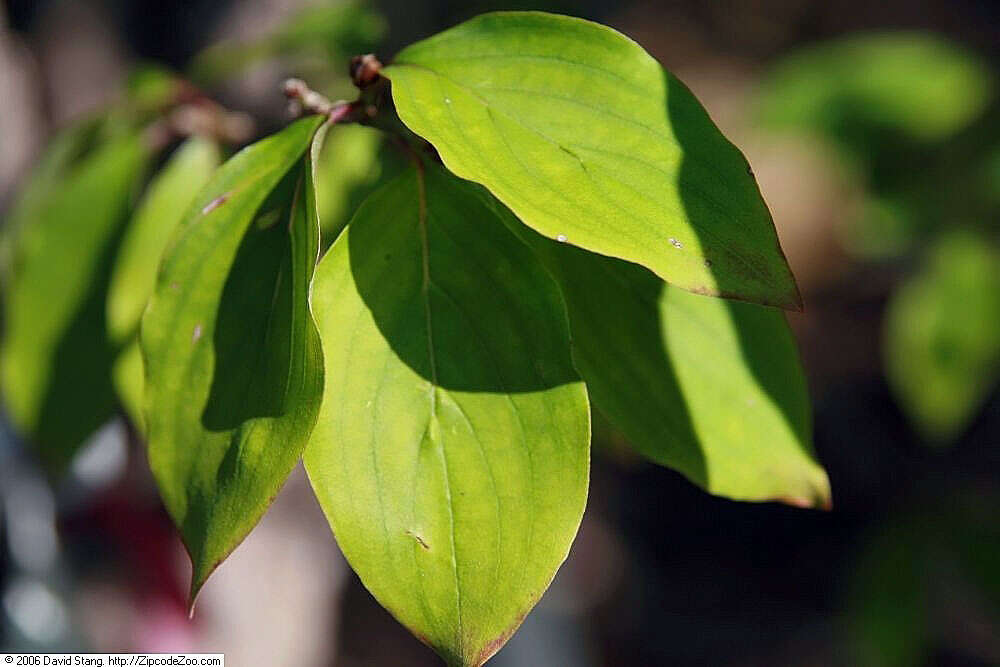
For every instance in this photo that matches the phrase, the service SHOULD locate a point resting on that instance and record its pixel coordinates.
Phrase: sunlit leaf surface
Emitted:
(709, 387)
(452, 449)
(589, 140)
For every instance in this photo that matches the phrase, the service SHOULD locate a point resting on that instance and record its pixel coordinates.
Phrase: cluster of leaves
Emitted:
(435, 370)
(913, 119)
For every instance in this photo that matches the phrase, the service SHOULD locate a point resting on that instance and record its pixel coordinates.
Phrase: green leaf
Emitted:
(234, 371)
(452, 450)
(65, 151)
(588, 139)
(708, 387)
(942, 339)
(915, 83)
(128, 379)
(133, 277)
(55, 359)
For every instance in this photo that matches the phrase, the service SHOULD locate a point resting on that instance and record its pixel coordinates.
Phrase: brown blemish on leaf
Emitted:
(491, 648)
(419, 539)
(825, 504)
(794, 305)
(214, 204)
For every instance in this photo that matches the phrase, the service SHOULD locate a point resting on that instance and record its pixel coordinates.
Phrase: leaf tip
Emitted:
(795, 302)
(197, 582)
(200, 573)
(497, 643)
(821, 499)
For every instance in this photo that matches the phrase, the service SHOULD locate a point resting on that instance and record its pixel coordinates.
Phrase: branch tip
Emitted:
(365, 70)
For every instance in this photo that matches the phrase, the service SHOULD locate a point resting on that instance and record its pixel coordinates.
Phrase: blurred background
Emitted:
(874, 131)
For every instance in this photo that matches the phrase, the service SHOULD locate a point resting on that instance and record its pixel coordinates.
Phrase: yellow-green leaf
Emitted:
(709, 387)
(589, 140)
(452, 450)
(910, 82)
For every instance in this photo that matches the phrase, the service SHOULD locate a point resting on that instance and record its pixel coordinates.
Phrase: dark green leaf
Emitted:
(56, 356)
(709, 387)
(451, 453)
(234, 371)
(589, 140)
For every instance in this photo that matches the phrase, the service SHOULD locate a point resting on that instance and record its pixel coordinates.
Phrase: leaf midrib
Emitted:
(433, 387)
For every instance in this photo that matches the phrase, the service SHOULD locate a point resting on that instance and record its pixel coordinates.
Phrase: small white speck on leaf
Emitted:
(196, 334)
(447, 100)
(675, 243)
(561, 238)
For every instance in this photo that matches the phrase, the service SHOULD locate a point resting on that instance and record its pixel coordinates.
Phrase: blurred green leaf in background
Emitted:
(942, 336)
(133, 277)
(916, 83)
(56, 354)
(316, 43)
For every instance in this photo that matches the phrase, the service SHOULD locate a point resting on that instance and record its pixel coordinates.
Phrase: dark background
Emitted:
(904, 570)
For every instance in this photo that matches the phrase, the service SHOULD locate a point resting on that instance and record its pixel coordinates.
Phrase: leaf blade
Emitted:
(708, 387)
(233, 367)
(451, 453)
(586, 138)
